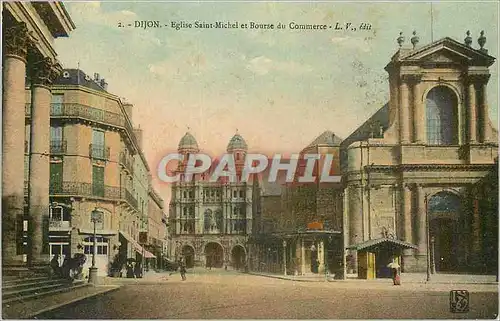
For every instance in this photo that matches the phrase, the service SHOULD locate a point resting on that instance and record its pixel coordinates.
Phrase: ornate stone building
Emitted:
(29, 61)
(211, 221)
(95, 163)
(421, 155)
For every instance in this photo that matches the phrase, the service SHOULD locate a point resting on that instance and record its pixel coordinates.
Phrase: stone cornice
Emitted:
(428, 167)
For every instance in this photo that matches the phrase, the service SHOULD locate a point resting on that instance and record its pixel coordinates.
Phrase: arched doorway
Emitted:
(188, 254)
(214, 255)
(441, 116)
(444, 213)
(238, 257)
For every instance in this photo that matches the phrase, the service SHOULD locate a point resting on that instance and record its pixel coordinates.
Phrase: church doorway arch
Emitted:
(444, 213)
(188, 254)
(238, 257)
(214, 255)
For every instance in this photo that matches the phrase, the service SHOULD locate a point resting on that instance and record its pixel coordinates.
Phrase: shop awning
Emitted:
(138, 248)
(380, 242)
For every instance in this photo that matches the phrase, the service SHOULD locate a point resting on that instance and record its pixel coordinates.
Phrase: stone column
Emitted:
(302, 257)
(321, 257)
(421, 212)
(407, 220)
(44, 72)
(404, 113)
(472, 113)
(418, 114)
(13, 102)
(284, 257)
(355, 221)
(484, 125)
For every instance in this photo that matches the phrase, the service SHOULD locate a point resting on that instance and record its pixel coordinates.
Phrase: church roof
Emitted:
(237, 142)
(327, 138)
(188, 142)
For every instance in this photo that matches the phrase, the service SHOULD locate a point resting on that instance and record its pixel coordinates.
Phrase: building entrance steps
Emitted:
(22, 309)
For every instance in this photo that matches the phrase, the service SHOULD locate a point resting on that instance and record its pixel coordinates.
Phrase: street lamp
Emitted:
(427, 239)
(95, 217)
(433, 255)
(284, 256)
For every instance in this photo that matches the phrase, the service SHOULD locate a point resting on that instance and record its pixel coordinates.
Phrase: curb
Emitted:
(364, 281)
(105, 289)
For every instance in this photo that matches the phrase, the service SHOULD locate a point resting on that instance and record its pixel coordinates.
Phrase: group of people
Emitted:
(134, 269)
(71, 268)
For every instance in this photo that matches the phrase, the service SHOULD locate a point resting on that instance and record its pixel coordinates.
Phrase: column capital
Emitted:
(45, 71)
(411, 79)
(478, 79)
(16, 39)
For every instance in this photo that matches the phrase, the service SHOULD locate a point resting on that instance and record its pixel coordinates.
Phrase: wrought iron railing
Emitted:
(99, 152)
(65, 110)
(129, 198)
(58, 224)
(83, 189)
(58, 147)
(127, 162)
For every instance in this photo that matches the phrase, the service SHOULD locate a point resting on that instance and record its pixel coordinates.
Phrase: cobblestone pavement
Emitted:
(219, 295)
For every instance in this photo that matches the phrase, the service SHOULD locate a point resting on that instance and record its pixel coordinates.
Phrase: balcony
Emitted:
(127, 162)
(129, 198)
(75, 110)
(58, 225)
(58, 147)
(84, 189)
(100, 152)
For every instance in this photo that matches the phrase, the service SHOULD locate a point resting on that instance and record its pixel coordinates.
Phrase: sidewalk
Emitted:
(412, 278)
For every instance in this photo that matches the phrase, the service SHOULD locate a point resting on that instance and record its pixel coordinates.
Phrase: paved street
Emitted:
(229, 295)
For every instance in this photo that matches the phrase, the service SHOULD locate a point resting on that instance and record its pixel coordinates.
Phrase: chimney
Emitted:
(96, 76)
(128, 109)
(138, 136)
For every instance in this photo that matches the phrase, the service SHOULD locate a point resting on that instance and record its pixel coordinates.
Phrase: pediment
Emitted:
(448, 51)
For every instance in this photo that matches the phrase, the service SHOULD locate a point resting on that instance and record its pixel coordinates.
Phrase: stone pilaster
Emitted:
(472, 115)
(302, 258)
(404, 112)
(16, 38)
(418, 114)
(421, 214)
(355, 221)
(483, 105)
(406, 209)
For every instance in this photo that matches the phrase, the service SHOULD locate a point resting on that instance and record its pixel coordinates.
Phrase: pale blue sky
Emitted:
(281, 89)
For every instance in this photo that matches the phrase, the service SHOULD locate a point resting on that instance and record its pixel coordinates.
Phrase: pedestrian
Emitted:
(183, 271)
(54, 264)
(396, 279)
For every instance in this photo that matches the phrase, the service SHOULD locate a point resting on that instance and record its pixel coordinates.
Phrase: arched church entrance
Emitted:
(214, 255)
(444, 213)
(188, 254)
(238, 257)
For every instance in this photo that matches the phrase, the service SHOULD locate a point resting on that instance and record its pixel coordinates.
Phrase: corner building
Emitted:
(422, 155)
(211, 220)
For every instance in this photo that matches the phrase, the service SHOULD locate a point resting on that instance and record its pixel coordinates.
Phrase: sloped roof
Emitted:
(327, 138)
(381, 241)
(77, 77)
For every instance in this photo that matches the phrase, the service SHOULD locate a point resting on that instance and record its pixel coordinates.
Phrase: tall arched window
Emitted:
(441, 117)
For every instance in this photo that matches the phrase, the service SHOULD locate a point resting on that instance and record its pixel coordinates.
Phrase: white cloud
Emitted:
(181, 66)
(362, 44)
(262, 65)
(92, 12)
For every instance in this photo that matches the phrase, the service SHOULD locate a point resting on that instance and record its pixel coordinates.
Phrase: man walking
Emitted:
(182, 269)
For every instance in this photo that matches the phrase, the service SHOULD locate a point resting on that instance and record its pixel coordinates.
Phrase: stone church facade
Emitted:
(422, 155)
(211, 221)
